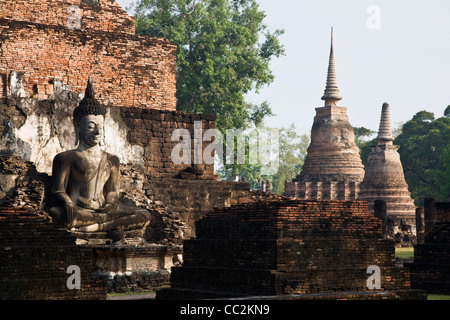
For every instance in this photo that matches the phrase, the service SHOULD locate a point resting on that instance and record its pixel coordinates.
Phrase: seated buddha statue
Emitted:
(86, 180)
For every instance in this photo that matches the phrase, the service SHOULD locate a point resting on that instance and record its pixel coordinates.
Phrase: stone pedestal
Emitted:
(136, 267)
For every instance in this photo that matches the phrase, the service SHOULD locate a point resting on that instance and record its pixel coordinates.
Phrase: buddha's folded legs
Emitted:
(123, 218)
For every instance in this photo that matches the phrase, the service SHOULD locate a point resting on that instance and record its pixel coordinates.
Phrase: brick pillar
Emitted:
(333, 190)
(312, 191)
(380, 212)
(429, 212)
(319, 190)
(353, 192)
(326, 190)
(307, 190)
(342, 191)
(300, 190)
(268, 186)
(420, 224)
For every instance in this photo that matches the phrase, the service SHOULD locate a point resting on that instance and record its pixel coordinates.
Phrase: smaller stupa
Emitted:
(384, 180)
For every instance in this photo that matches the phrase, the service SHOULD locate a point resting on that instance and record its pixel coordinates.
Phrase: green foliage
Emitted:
(229, 167)
(447, 112)
(362, 136)
(444, 177)
(293, 150)
(424, 151)
(224, 52)
(291, 155)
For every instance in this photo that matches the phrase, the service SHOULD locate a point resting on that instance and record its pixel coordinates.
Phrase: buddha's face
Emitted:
(91, 130)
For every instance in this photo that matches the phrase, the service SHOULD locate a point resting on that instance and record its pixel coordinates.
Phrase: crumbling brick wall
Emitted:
(101, 15)
(431, 267)
(128, 70)
(285, 247)
(36, 130)
(152, 129)
(40, 40)
(35, 257)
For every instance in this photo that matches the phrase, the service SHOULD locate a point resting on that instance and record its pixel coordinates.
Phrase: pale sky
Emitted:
(402, 58)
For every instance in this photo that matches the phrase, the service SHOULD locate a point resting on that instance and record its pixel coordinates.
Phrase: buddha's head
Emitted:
(88, 119)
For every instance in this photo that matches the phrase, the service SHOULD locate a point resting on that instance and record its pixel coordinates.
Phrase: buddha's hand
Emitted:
(72, 213)
(87, 203)
(107, 208)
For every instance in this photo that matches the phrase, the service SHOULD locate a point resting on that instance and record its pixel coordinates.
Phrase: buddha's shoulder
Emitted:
(112, 158)
(66, 155)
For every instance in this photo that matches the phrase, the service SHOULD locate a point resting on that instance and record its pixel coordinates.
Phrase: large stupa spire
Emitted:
(331, 94)
(333, 169)
(385, 131)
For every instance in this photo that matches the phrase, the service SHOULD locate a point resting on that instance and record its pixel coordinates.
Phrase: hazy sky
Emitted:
(385, 51)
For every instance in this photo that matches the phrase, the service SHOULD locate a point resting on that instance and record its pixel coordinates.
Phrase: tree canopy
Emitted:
(424, 151)
(291, 152)
(224, 52)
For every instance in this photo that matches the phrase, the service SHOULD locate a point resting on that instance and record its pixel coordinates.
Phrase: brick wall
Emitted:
(34, 257)
(292, 218)
(101, 15)
(431, 267)
(286, 247)
(129, 128)
(152, 129)
(127, 70)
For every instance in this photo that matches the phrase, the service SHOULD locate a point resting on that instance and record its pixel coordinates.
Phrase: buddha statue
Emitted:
(86, 180)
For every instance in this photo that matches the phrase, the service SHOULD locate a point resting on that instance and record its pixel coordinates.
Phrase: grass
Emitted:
(438, 297)
(404, 253)
(129, 293)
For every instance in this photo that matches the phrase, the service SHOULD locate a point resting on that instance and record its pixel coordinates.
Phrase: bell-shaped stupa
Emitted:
(333, 169)
(384, 180)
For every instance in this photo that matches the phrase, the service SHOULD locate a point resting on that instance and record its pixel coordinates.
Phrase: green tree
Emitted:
(291, 153)
(447, 112)
(422, 144)
(362, 136)
(445, 174)
(224, 51)
(231, 165)
(293, 150)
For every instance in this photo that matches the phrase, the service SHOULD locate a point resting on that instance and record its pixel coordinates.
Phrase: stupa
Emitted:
(384, 180)
(333, 169)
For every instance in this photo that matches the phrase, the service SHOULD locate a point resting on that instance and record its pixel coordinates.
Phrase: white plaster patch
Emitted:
(116, 142)
(41, 147)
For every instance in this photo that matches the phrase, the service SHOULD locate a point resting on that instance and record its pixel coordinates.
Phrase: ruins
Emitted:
(332, 169)
(431, 267)
(384, 180)
(201, 236)
(289, 249)
(44, 66)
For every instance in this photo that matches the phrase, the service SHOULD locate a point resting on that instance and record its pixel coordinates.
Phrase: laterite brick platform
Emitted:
(288, 248)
